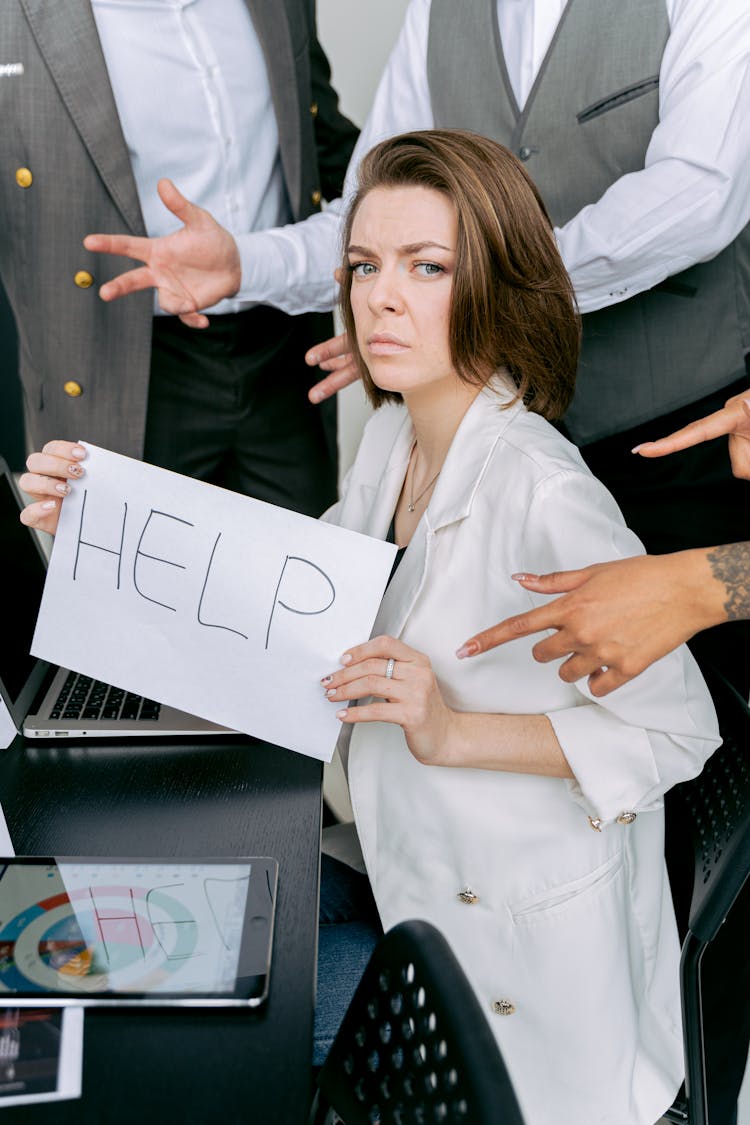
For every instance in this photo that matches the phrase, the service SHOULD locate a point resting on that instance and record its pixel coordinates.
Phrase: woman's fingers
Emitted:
(362, 686)
(43, 515)
(386, 648)
(43, 486)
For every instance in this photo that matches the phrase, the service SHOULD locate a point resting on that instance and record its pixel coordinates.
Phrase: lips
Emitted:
(384, 343)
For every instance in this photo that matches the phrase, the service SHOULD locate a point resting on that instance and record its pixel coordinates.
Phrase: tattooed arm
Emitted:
(616, 618)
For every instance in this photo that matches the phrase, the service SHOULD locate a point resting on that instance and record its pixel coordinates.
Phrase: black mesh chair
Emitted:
(414, 1047)
(717, 804)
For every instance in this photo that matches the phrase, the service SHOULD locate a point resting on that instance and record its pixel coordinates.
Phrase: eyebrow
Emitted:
(410, 248)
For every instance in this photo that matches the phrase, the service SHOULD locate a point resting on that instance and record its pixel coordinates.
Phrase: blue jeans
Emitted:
(348, 931)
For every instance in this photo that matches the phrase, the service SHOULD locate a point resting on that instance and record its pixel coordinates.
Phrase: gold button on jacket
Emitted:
(83, 279)
(314, 109)
(503, 1007)
(316, 197)
(626, 817)
(24, 177)
(468, 896)
(73, 389)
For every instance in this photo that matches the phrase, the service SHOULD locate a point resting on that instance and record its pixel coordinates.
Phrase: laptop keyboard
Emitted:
(82, 697)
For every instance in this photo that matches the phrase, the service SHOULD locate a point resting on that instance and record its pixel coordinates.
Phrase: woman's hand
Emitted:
(410, 697)
(49, 478)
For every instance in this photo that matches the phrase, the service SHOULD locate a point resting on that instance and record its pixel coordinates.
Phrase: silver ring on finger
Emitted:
(391, 664)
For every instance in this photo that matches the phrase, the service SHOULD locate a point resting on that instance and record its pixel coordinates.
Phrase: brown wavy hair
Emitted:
(512, 301)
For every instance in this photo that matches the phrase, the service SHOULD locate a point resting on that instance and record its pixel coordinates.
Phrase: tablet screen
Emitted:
(113, 931)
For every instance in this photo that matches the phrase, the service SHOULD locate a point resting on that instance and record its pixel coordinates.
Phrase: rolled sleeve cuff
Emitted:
(614, 764)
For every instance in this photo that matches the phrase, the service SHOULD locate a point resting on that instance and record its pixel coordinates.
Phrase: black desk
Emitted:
(222, 797)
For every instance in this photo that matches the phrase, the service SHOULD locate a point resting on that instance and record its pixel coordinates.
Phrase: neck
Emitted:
(436, 413)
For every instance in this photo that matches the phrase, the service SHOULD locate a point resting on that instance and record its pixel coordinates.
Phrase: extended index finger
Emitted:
(522, 625)
(124, 245)
(704, 429)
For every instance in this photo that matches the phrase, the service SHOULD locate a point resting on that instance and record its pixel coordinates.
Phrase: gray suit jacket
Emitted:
(60, 124)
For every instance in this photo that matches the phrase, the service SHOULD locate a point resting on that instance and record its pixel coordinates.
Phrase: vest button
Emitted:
(72, 388)
(24, 177)
(83, 279)
(524, 152)
(315, 197)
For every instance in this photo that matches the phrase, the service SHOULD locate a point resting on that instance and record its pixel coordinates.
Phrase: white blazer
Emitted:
(552, 893)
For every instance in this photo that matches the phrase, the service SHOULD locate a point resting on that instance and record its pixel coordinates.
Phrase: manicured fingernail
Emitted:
(467, 650)
(75, 470)
(636, 448)
(346, 658)
(313, 357)
(78, 451)
(524, 577)
(326, 679)
(63, 489)
(746, 402)
(315, 396)
(331, 692)
(48, 505)
(341, 714)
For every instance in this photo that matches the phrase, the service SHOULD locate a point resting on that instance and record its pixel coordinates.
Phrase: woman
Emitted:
(510, 808)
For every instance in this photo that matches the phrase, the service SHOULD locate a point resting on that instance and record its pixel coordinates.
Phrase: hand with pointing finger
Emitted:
(616, 618)
(191, 269)
(733, 420)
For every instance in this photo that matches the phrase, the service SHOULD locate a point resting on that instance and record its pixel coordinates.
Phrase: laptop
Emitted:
(46, 701)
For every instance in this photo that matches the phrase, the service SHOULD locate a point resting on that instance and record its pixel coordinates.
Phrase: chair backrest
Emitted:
(718, 805)
(415, 1046)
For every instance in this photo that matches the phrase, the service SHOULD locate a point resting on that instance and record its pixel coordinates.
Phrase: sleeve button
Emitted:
(72, 388)
(24, 177)
(83, 279)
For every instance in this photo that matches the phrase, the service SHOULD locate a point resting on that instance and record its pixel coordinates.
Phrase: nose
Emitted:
(385, 291)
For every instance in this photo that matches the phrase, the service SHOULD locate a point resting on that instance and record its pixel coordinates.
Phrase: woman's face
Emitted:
(402, 256)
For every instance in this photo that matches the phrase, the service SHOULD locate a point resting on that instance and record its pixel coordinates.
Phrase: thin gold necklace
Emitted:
(414, 500)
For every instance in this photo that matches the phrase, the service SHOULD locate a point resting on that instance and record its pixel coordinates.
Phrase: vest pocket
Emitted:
(628, 94)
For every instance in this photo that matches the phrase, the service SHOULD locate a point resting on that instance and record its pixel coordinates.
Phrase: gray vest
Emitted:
(588, 121)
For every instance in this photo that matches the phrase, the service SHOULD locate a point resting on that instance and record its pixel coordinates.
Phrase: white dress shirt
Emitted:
(192, 92)
(690, 200)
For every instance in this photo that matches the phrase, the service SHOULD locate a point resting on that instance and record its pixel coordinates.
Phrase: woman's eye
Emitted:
(429, 269)
(362, 269)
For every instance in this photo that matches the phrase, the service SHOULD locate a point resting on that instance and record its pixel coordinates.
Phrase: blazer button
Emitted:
(596, 823)
(468, 896)
(626, 817)
(24, 177)
(315, 197)
(314, 109)
(503, 1007)
(83, 279)
(72, 388)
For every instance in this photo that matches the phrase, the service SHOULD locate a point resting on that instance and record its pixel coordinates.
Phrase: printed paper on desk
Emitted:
(222, 606)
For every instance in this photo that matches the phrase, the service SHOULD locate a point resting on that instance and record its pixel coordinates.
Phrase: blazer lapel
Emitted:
(67, 39)
(271, 21)
(451, 500)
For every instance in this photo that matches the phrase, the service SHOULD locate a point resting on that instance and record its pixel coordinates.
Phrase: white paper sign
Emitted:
(222, 606)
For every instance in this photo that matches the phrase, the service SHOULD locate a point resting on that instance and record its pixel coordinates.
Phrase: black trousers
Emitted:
(691, 499)
(228, 404)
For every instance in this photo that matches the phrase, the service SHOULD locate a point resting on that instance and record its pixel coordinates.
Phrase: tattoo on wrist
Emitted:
(731, 566)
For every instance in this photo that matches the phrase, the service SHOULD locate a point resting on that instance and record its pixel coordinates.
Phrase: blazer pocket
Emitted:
(628, 94)
(566, 897)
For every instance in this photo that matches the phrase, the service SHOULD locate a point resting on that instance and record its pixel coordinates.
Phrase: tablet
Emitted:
(84, 931)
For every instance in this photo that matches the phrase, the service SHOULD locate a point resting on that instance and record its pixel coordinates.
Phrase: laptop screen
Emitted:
(23, 573)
